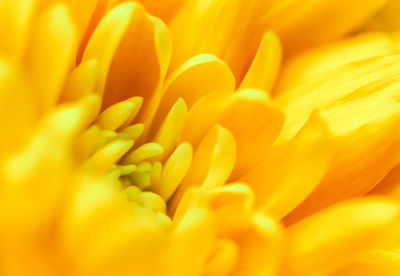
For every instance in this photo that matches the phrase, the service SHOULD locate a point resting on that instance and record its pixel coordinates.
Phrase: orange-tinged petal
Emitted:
(390, 185)
(226, 29)
(308, 65)
(212, 163)
(51, 53)
(327, 240)
(199, 76)
(266, 64)
(295, 20)
(289, 174)
(105, 40)
(126, 40)
(164, 9)
(249, 115)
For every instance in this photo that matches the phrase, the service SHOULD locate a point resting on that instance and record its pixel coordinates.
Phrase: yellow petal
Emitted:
(260, 248)
(18, 113)
(249, 115)
(81, 82)
(223, 258)
(295, 20)
(317, 248)
(164, 9)
(227, 29)
(119, 114)
(310, 64)
(14, 21)
(289, 174)
(103, 236)
(174, 171)
(266, 64)
(200, 75)
(51, 53)
(194, 232)
(212, 163)
(168, 134)
(232, 206)
(372, 263)
(359, 104)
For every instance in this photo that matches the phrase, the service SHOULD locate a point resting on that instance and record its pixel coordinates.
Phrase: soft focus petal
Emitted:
(312, 63)
(295, 20)
(52, 49)
(327, 240)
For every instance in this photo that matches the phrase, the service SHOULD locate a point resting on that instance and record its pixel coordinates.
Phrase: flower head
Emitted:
(197, 138)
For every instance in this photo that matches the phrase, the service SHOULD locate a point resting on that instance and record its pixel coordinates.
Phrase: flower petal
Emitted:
(199, 76)
(52, 51)
(359, 104)
(14, 21)
(310, 64)
(317, 248)
(289, 174)
(293, 20)
(225, 28)
(212, 163)
(249, 115)
(266, 64)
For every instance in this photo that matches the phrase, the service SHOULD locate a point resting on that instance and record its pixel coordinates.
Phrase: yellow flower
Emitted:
(169, 138)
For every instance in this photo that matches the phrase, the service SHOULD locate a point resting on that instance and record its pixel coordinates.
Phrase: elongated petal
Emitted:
(212, 164)
(317, 248)
(248, 114)
(126, 39)
(51, 53)
(224, 28)
(312, 63)
(295, 20)
(15, 17)
(359, 104)
(288, 175)
(266, 64)
(199, 76)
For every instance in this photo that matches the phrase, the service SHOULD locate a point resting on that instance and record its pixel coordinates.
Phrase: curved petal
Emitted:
(289, 174)
(133, 51)
(266, 64)
(212, 163)
(223, 28)
(199, 76)
(249, 115)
